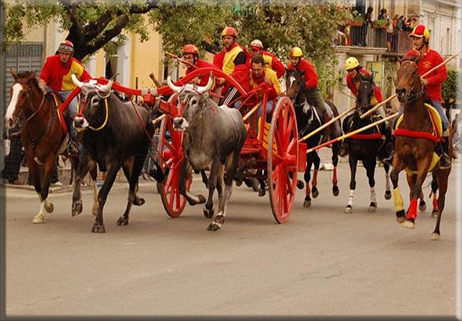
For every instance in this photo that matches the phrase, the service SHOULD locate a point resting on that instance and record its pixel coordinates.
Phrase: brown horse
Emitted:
(42, 135)
(415, 141)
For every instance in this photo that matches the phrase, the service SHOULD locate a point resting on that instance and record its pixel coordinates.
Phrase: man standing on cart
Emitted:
(271, 61)
(191, 57)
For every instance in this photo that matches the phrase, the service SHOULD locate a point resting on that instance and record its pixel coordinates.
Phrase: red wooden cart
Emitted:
(282, 161)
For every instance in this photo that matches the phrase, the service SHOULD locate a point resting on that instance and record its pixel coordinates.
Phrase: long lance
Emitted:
(181, 60)
(325, 125)
(352, 133)
(153, 78)
(424, 75)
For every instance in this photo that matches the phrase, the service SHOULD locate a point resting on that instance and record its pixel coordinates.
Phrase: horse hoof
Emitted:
(49, 207)
(435, 236)
(98, 228)
(372, 207)
(315, 192)
(213, 227)
(138, 201)
(387, 195)
(38, 219)
(408, 224)
(348, 209)
(209, 213)
(435, 213)
(307, 203)
(300, 184)
(335, 190)
(238, 183)
(122, 221)
(77, 208)
(400, 216)
(261, 193)
(422, 206)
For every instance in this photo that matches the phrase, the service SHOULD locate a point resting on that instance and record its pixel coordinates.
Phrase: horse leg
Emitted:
(209, 209)
(416, 189)
(34, 177)
(387, 181)
(435, 194)
(353, 165)
(397, 198)
(112, 170)
(314, 181)
(370, 171)
(443, 175)
(307, 177)
(335, 150)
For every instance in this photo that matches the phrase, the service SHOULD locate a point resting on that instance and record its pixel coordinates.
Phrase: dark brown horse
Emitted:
(415, 141)
(42, 135)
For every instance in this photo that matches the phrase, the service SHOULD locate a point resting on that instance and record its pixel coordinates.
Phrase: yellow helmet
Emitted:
(295, 52)
(351, 63)
(420, 31)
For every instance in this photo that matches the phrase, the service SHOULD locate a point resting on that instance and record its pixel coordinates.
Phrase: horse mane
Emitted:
(414, 58)
(27, 75)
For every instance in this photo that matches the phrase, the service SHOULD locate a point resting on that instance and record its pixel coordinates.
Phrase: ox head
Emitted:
(195, 102)
(21, 96)
(92, 101)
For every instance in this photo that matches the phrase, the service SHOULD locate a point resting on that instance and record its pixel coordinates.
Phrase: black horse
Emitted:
(367, 146)
(310, 118)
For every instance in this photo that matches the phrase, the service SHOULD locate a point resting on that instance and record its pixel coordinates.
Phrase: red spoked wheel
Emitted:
(282, 159)
(170, 141)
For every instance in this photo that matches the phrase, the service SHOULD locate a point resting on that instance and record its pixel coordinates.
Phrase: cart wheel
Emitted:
(282, 159)
(172, 157)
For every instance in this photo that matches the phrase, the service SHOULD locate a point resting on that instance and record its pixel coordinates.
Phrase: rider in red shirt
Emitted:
(191, 55)
(56, 75)
(353, 68)
(256, 47)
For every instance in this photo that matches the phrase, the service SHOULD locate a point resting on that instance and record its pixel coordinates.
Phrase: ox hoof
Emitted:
(77, 208)
(315, 192)
(372, 207)
(49, 207)
(422, 206)
(213, 227)
(262, 192)
(201, 198)
(307, 203)
(388, 195)
(435, 236)
(98, 228)
(122, 221)
(38, 219)
(138, 201)
(209, 213)
(335, 190)
(435, 213)
(300, 184)
(409, 224)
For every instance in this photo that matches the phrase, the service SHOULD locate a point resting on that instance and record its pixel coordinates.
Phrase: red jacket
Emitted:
(353, 84)
(224, 60)
(58, 76)
(201, 64)
(430, 59)
(310, 77)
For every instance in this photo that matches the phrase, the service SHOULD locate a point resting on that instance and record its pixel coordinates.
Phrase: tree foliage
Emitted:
(279, 24)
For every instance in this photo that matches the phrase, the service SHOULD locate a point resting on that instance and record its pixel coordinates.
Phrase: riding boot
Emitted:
(445, 162)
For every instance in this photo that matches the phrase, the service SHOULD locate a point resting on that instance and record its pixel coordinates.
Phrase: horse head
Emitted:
(24, 93)
(409, 86)
(194, 102)
(294, 83)
(365, 92)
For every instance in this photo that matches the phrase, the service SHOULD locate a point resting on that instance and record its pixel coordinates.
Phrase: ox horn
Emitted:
(106, 89)
(175, 89)
(208, 86)
(77, 82)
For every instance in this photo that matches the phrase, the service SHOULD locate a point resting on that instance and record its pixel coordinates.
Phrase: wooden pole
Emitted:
(153, 78)
(325, 125)
(180, 60)
(424, 75)
(158, 119)
(370, 111)
(352, 133)
(251, 111)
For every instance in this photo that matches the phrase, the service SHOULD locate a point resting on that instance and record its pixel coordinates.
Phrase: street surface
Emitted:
(323, 262)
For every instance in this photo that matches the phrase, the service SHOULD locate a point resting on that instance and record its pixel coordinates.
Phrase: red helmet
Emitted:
(190, 49)
(229, 31)
(66, 47)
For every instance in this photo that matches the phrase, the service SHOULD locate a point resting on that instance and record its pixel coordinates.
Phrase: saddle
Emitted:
(435, 136)
(60, 113)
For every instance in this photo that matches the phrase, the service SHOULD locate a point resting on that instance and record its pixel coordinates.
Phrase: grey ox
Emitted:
(213, 140)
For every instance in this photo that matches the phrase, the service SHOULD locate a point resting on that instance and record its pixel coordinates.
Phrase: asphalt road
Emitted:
(323, 262)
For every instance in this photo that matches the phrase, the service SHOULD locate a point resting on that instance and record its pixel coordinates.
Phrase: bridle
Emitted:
(410, 94)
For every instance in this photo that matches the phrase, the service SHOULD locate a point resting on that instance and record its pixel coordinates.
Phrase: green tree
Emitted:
(279, 24)
(451, 87)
